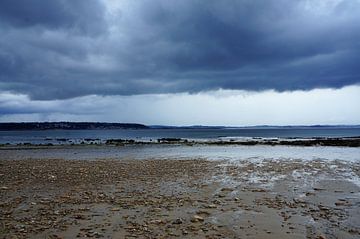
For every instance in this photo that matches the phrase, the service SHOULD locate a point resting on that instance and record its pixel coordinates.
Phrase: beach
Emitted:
(180, 119)
(171, 197)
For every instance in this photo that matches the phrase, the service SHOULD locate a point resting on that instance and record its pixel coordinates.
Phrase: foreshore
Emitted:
(245, 141)
(187, 198)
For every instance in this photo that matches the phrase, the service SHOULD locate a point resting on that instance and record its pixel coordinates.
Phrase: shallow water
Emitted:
(256, 153)
(53, 136)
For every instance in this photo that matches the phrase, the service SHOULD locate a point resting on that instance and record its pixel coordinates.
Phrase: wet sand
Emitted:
(189, 198)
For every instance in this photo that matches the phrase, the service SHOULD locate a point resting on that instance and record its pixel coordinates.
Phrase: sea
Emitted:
(235, 153)
(78, 136)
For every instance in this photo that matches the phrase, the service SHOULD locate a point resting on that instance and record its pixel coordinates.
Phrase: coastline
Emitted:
(246, 141)
(179, 198)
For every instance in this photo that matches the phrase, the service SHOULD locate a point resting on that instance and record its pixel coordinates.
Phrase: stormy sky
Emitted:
(243, 62)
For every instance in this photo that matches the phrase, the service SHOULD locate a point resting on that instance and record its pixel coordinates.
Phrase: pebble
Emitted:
(197, 218)
(177, 221)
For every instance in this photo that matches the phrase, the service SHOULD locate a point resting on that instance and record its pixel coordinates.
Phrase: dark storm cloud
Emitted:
(82, 16)
(64, 49)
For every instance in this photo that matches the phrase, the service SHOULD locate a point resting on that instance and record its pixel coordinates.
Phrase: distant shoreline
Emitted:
(25, 126)
(63, 125)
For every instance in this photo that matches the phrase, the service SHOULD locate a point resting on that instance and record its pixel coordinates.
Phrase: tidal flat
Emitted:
(179, 195)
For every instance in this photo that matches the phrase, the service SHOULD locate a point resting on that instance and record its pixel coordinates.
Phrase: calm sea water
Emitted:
(76, 136)
(255, 153)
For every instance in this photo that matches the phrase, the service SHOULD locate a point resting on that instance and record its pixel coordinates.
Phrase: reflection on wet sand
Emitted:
(188, 198)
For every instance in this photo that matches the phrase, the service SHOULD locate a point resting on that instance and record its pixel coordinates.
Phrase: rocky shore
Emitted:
(305, 142)
(179, 199)
(342, 142)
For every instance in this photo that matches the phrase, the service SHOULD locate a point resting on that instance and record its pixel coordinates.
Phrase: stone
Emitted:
(211, 206)
(157, 221)
(197, 218)
(177, 221)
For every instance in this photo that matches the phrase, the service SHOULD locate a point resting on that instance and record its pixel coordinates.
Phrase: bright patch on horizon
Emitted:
(221, 107)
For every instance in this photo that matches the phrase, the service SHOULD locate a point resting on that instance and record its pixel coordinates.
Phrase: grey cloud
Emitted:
(82, 16)
(13, 104)
(222, 107)
(64, 49)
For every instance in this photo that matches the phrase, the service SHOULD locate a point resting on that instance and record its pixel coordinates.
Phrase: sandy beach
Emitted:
(187, 198)
(180, 119)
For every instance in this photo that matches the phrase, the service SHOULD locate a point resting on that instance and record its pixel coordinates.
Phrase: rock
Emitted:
(227, 190)
(204, 212)
(211, 206)
(342, 203)
(221, 195)
(216, 201)
(197, 218)
(94, 234)
(323, 208)
(184, 232)
(79, 216)
(157, 221)
(115, 209)
(177, 221)
(258, 190)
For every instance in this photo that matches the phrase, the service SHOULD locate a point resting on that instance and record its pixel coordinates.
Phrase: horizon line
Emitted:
(194, 125)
